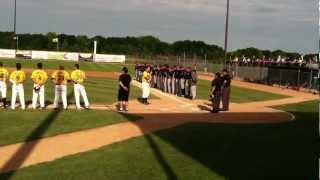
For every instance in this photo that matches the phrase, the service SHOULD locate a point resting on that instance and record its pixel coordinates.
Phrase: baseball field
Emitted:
(269, 133)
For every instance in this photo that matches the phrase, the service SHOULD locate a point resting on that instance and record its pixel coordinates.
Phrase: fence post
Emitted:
(310, 81)
(299, 73)
(280, 78)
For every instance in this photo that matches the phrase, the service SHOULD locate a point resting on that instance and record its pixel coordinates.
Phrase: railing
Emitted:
(294, 77)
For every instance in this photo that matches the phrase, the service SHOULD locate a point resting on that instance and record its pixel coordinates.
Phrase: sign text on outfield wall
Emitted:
(110, 58)
(68, 56)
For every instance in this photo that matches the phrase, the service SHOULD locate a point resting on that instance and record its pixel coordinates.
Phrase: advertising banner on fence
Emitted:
(7, 53)
(63, 56)
(67, 56)
(25, 54)
(85, 57)
(39, 54)
(110, 58)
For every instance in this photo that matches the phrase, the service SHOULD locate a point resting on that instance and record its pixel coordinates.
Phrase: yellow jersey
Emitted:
(18, 76)
(78, 76)
(4, 74)
(39, 77)
(146, 77)
(60, 77)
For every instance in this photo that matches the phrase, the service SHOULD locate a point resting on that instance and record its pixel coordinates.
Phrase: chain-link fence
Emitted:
(294, 77)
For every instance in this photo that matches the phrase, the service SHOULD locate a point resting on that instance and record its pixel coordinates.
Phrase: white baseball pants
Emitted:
(80, 90)
(35, 96)
(3, 89)
(145, 90)
(17, 90)
(60, 91)
(193, 91)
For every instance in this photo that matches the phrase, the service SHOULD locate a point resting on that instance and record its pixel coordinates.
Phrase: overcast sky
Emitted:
(268, 24)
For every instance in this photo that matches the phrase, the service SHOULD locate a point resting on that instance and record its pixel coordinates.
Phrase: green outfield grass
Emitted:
(69, 65)
(199, 151)
(238, 94)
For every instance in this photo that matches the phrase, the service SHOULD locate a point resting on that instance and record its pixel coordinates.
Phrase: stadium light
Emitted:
(15, 25)
(226, 35)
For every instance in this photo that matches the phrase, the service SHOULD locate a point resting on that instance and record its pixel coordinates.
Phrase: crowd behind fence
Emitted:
(295, 77)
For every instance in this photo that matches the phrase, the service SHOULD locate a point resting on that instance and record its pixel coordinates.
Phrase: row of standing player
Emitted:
(170, 79)
(39, 77)
(220, 86)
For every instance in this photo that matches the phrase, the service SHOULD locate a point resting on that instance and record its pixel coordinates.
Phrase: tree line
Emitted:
(140, 47)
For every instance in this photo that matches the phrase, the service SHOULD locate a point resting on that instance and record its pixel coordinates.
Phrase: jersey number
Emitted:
(60, 77)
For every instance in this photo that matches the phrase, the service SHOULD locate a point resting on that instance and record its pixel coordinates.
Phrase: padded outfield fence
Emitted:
(285, 76)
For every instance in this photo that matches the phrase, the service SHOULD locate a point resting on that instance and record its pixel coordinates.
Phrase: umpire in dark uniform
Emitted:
(226, 82)
(216, 92)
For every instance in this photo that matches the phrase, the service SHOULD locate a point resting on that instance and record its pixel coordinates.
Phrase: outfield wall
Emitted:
(57, 55)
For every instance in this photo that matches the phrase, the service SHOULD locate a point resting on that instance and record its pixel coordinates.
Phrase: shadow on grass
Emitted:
(23, 152)
(243, 151)
(235, 151)
(161, 158)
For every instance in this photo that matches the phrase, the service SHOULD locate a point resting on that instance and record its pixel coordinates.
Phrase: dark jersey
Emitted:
(180, 74)
(226, 80)
(187, 75)
(165, 72)
(126, 80)
(176, 74)
(155, 72)
(216, 83)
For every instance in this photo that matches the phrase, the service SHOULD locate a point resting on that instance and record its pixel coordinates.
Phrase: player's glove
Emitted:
(37, 89)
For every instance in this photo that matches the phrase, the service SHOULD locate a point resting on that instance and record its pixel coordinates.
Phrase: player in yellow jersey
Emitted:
(17, 78)
(60, 78)
(4, 75)
(39, 78)
(78, 77)
(146, 78)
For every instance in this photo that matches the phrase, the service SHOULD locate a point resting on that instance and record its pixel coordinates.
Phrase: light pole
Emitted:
(226, 35)
(15, 25)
